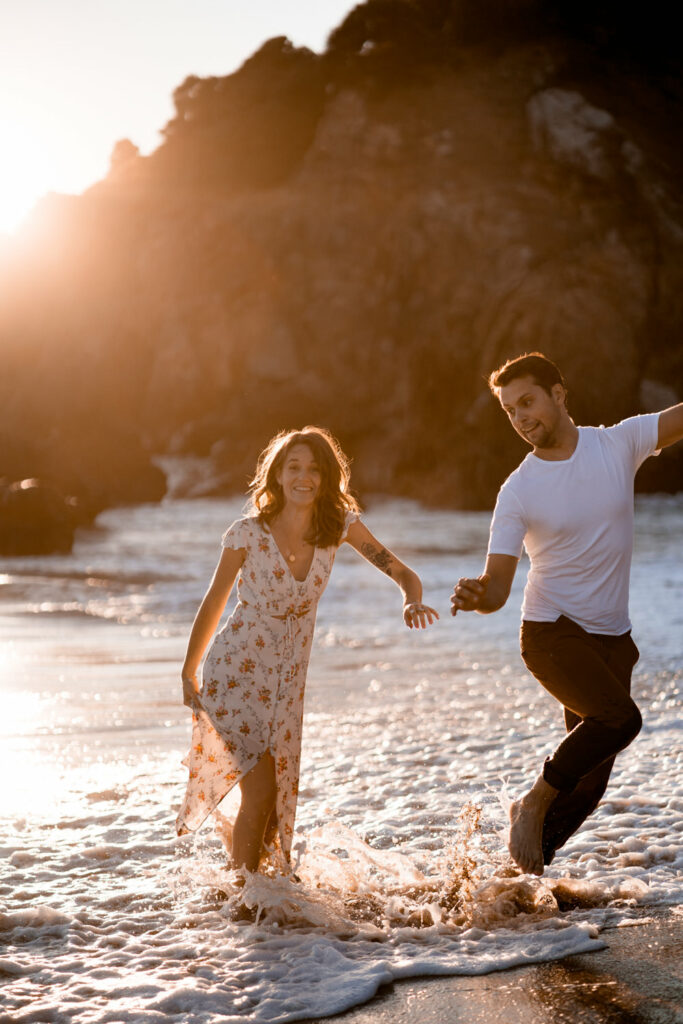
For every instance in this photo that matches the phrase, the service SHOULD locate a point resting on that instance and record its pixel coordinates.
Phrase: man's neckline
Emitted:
(565, 460)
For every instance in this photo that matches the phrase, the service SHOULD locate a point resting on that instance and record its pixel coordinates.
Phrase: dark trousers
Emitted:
(590, 675)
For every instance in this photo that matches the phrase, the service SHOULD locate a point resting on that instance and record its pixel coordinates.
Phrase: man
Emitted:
(570, 502)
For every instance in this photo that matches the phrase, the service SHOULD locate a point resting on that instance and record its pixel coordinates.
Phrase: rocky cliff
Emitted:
(357, 239)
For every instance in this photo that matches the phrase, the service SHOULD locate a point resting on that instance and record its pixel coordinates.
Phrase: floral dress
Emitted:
(254, 677)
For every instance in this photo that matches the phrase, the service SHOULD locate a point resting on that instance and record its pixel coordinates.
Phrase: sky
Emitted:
(78, 75)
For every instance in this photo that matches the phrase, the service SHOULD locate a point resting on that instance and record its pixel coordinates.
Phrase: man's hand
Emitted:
(469, 593)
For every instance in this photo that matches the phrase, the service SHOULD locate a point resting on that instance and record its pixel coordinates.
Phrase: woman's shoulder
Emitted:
(350, 518)
(241, 532)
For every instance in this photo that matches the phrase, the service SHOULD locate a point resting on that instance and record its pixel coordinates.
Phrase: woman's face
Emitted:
(299, 476)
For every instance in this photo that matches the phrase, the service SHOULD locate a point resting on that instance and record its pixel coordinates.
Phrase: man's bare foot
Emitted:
(509, 871)
(526, 826)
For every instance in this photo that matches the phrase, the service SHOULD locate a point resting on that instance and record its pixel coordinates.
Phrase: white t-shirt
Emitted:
(575, 519)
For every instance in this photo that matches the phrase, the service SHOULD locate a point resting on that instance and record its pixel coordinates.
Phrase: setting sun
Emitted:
(40, 156)
(74, 81)
(25, 172)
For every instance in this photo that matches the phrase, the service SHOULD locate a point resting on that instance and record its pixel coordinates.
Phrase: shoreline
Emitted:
(108, 915)
(637, 979)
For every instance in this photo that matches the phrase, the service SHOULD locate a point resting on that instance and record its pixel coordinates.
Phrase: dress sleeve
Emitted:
(349, 519)
(508, 526)
(235, 536)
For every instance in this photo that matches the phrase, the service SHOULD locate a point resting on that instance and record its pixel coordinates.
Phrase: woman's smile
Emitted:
(300, 475)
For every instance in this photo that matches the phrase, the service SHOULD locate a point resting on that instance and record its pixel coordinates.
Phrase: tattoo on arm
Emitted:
(381, 558)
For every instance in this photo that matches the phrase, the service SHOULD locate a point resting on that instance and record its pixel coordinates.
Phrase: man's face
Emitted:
(533, 412)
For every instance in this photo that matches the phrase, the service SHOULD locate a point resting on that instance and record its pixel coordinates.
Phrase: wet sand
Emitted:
(638, 979)
(105, 916)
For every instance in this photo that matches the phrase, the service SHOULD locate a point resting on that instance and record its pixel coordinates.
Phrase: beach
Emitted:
(405, 906)
(638, 977)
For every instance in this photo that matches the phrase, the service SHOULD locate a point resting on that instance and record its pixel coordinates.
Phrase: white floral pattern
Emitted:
(254, 678)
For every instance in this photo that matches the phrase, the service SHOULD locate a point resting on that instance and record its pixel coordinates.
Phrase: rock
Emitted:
(423, 228)
(573, 131)
(98, 467)
(35, 519)
(655, 396)
(106, 467)
(196, 476)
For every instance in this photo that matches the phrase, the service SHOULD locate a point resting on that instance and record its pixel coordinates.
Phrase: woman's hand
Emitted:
(417, 615)
(191, 697)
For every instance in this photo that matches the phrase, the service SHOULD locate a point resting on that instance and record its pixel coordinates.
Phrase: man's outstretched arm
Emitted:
(670, 426)
(488, 592)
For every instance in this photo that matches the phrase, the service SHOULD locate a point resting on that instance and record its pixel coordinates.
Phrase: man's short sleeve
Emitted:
(508, 526)
(638, 437)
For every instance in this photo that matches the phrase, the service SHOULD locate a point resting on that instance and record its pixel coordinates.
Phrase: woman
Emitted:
(247, 719)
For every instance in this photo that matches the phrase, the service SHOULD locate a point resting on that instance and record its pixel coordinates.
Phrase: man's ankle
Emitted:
(540, 796)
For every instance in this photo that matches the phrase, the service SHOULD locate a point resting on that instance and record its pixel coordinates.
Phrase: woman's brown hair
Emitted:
(333, 500)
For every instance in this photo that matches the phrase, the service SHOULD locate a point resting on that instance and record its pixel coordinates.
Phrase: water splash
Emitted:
(341, 885)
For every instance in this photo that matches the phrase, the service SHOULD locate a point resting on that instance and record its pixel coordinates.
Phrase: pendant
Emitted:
(291, 558)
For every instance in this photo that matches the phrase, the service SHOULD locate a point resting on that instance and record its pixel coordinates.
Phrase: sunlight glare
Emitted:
(31, 785)
(39, 156)
(24, 171)
(9, 660)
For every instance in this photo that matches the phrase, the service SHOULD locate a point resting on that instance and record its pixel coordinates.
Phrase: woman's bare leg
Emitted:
(271, 829)
(259, 790)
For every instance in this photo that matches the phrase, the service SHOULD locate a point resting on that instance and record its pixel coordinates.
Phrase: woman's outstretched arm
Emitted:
(415, 614)
(207, 618)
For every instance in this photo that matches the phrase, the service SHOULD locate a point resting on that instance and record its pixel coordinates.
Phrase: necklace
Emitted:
(289, 551)
(291, 555)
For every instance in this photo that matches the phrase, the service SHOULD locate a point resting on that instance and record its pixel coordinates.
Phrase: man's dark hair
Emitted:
(532, 364)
